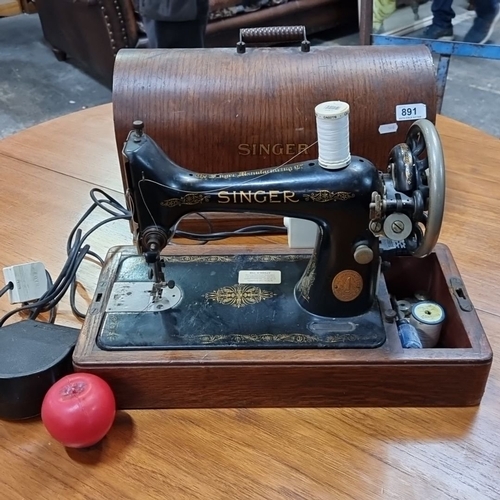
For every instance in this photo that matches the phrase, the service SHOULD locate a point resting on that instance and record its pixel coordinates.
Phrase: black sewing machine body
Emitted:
(328, 298)
(337, 201)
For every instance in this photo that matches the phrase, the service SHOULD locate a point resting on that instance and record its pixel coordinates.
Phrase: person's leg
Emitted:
(442, 13)
(488, 15)
(485, 8)
(150, 29)
(178, 35)
(441, 27)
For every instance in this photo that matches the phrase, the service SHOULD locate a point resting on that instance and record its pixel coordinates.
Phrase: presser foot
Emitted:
(158, 289)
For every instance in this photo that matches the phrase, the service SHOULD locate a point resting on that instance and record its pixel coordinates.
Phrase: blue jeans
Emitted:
(443, 13)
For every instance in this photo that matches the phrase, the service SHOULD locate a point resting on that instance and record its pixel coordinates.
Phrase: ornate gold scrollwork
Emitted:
(324, 196)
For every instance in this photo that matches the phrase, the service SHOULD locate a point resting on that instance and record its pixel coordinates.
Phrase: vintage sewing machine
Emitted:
(268, 325)
(333, 298)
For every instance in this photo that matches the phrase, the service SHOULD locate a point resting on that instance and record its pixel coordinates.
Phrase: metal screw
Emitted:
(375, 227)
(398, 226)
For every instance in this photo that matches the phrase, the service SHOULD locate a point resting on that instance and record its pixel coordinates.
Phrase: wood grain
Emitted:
(85, 154)
(454, 374)
(277, 454)
(239, 453)
(9, 8)
(266, 98)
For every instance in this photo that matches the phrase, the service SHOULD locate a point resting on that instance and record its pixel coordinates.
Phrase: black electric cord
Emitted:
(52, 297)
(76, 253)
(44, 303)
(53, 311)
(77, 250)
(119, 212)
(200, 242)
(244, 231)
(6, 288)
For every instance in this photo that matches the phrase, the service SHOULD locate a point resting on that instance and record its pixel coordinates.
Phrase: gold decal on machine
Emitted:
(250, 173)
(257, 197)
(239, 295)
(275, 149)
(325, 196)
(189, 199)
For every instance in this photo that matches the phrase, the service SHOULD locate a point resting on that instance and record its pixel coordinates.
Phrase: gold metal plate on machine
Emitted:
(347, 285)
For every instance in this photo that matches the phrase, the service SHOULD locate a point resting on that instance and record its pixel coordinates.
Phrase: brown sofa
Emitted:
(91, 32)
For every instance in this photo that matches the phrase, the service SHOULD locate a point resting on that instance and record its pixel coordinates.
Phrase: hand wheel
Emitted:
(425, 145)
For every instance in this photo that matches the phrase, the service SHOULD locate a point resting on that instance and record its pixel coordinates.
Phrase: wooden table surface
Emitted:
(47, 172)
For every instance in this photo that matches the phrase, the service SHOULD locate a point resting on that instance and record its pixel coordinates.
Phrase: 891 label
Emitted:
(411, 112)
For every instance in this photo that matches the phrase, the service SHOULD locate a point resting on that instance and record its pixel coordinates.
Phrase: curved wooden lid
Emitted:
(215, 110)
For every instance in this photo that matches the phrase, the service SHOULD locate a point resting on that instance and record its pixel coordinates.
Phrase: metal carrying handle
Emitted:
(273, 34)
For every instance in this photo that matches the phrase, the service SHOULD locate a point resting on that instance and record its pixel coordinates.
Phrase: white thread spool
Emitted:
(428, 318)
(332, 122)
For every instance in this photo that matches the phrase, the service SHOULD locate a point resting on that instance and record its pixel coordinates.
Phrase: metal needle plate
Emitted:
(136, 296)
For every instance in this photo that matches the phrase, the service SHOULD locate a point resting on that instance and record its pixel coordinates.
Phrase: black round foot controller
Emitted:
(33, 356)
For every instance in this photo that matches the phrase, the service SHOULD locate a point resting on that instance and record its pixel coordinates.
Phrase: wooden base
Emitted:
(452, 374)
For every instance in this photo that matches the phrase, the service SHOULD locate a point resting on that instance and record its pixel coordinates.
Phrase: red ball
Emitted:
(78, 410)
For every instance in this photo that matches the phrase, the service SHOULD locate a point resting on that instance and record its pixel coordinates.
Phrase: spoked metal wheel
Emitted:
(425, 145)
